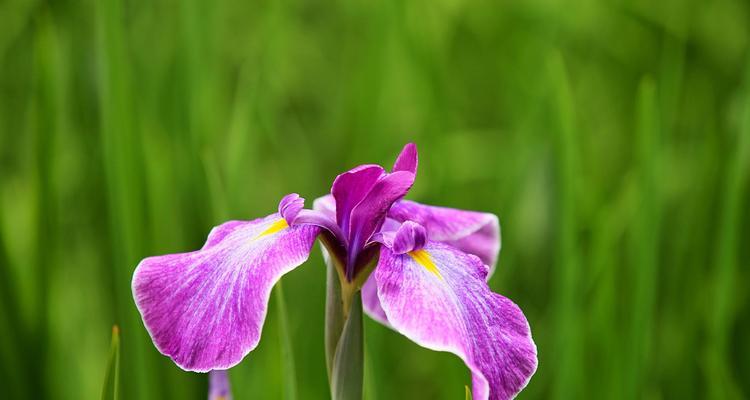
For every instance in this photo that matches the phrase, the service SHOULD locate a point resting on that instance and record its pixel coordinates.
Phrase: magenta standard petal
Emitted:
(438, 297)
(205, 309)
(350, 188)
(407, 160)
(472, 232)
(368, 216)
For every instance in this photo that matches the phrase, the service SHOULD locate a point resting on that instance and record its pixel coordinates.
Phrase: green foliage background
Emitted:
(611, 137)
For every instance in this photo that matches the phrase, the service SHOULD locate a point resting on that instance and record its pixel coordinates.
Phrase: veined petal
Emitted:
(410, 237)
(472, 232)
(205, 309)
(371, 301)
(403, 238)
(290, 205)
(440, 300)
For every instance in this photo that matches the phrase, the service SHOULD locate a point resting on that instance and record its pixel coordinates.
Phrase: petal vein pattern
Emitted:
(472, 232)
(205, 309)
(458, 314)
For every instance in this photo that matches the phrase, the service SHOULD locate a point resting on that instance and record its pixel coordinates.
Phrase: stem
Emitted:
(343, 334)
(334, 314)
(348, 362)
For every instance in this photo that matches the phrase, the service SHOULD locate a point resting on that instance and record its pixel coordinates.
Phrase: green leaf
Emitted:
(112, 373)
(468, 392)
(347, 374)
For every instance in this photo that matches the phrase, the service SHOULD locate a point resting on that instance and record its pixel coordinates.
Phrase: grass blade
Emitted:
(644, 241)
(722, 385)
(111, 388)
(568, 303)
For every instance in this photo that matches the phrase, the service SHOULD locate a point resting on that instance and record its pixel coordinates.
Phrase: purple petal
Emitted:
(368, 216)
(326, 204)
(290, 205)
(410, 236)
(371, 302)
(321, 219)
(218, 385)
(350, 188)
(403, 238)
(205, 309)
(444, 304)
(407, 160)
(470, 231)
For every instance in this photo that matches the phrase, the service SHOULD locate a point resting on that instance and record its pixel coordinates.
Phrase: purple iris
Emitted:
(422, 270)
(218, 386)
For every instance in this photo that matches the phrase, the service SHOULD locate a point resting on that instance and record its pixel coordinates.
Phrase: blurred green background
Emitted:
(611, 137)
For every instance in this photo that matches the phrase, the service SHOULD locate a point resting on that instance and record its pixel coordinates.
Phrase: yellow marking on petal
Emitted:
(422, 257)
(275, 227)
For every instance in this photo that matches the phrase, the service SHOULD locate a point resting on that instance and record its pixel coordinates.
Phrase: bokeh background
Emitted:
(611, 137)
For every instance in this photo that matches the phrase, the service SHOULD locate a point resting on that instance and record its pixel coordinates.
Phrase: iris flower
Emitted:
(218, 386)
(422, 271)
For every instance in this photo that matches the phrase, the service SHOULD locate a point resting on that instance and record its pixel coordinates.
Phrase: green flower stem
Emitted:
(348, 361)
(334, 316)
(343, 331)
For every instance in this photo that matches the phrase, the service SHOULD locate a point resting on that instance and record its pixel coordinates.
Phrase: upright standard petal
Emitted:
(350, 188)
(206, 309)
(438, 297)
(407, 160)
(368, 216)
(472, 232)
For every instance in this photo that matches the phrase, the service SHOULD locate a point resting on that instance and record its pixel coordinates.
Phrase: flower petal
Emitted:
(472, 232)
(326, 204)
(350, 188)
(321, 219)
(406, 237)
(290, 206)
(440, 300)
(368, 216)
(205, 309)
(407, 160)
(371, 302)
(410, 236)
